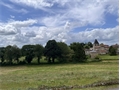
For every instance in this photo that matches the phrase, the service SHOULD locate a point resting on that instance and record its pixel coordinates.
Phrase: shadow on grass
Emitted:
(40, 64)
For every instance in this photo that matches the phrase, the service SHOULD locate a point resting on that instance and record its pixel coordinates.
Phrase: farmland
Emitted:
(24, 77)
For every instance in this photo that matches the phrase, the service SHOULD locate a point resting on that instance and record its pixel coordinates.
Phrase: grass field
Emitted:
(32, 76)
(108, 57)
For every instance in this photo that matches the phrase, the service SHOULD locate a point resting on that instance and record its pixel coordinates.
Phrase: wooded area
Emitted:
(75, 52)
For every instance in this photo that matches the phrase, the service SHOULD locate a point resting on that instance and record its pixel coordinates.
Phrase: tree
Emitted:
(86, 46)
(52, 50)
(28, 52)
(9, 54)
(79, 53)
(90, 44)
(112, 50)
(16, 53)
(2, 54)
(38, 51)
(65, 52)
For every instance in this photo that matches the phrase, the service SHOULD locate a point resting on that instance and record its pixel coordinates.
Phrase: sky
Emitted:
(37, 21)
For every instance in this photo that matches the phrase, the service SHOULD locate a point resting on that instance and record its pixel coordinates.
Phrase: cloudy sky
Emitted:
(37, 21)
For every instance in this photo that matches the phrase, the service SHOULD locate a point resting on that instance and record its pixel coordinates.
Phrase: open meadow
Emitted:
(29, 77)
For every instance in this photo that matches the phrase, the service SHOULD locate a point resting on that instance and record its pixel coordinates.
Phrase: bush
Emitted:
(96, 59)
(88, 56)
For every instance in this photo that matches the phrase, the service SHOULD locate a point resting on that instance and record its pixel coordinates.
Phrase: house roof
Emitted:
(96, 42)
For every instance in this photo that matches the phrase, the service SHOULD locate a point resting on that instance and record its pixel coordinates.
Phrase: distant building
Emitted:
(97, 49)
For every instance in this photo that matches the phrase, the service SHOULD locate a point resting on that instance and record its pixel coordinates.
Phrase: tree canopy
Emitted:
(52, 50)
(38, 51)
(79, 53)
(28, 52)
(112, 50)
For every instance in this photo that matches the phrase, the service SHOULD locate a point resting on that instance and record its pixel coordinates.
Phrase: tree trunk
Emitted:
(49, 61)
(17, 60)
(2, 59)
(10, 61)
(38, 60)
(53, 60)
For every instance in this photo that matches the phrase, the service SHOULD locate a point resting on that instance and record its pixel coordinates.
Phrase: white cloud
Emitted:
(22, 23)
(11, 32)
(13, 27)
(108, 35)
(113, 7)
(40, 35)
(20, 38)
(33, 3)
(8, 30)
(60, 25)
(30, 34)
(77, 12)
(80, 13)
(37, 4)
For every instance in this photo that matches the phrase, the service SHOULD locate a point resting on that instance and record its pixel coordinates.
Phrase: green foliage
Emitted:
(16, 53)
(86, 46)
(2, 54)
(9, 51)
(112, 50)
(38, 51)
(96, 59)
(66, 52)
(28, 52)
(79, 53)
(88, 56)
(90, 44)
(52, 50)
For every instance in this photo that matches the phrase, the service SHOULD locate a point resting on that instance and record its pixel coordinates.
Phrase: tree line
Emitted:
(53, 50)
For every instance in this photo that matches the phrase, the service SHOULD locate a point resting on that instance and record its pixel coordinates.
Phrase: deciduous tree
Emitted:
(52, 50)
(38, 51)
(28, 52)
(9, 54)
(112, 50)
(79, 53)
(66, 52)
(2, 54)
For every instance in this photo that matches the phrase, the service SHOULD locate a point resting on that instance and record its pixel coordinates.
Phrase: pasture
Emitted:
(24, 77)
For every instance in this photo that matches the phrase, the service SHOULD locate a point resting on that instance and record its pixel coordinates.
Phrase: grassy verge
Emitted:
(33, 76)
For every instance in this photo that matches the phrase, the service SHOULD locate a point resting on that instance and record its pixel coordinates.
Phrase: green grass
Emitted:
(108, 57)
(33, 76)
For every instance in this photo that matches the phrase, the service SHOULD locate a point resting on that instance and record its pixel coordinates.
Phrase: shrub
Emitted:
(97, 59)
